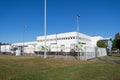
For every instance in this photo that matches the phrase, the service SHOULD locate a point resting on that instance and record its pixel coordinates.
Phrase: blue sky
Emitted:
(98, 17)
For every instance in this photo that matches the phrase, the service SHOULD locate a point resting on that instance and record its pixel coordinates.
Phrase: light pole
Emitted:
(23, 39)
(45, 27)
(56, 46)
(78, 16)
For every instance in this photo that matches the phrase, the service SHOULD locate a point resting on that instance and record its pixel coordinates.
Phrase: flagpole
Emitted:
(45, 28)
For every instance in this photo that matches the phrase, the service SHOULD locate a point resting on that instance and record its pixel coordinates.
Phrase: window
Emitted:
(73, 37)
(38, 41)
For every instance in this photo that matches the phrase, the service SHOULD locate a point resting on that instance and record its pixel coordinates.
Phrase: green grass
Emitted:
(36, 68)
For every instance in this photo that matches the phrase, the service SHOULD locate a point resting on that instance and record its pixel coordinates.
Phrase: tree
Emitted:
(116, 42)
(102, 44)
(79, 47)
(43, 48)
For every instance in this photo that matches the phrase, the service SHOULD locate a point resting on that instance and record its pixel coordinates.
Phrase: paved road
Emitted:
(109, 60)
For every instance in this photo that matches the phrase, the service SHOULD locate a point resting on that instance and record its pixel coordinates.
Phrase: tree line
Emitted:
(4, 43)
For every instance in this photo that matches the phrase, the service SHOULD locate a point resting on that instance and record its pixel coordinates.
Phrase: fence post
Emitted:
(85, 53)
(96, 50)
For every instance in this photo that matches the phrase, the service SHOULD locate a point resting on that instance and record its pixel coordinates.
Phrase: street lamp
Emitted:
(78, 16)
(45, 27)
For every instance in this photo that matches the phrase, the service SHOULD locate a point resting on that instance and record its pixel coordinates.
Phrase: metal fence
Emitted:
(93, 52)
(87, 53)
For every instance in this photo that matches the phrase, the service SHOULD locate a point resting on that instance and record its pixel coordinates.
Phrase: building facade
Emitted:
(62, 43)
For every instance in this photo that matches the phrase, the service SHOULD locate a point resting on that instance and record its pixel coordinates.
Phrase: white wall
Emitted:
(5, 48)
(101, 52)
(65, 39)
(29, 49)
(95, 39)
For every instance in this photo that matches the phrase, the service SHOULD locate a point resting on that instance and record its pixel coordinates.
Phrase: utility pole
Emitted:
(45, 28)
(78, 16)
(56, 46)
(23, 39)
(0, 46)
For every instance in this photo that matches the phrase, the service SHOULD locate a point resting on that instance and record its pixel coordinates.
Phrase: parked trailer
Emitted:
(6, 49)
(9, 49)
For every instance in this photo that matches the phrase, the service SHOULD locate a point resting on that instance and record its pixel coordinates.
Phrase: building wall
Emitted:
(62, 40)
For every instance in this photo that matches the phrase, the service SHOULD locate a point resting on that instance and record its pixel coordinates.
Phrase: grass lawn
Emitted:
(36, 68)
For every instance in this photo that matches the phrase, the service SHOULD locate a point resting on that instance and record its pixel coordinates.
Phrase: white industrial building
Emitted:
(62, 43)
